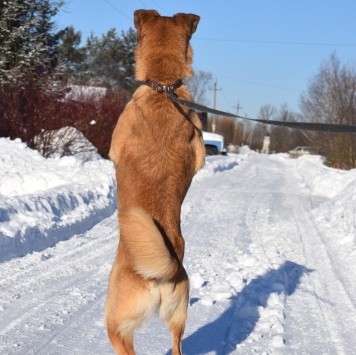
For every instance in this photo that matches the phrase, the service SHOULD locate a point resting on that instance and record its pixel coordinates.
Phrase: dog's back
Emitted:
(157, 148)
(160, 153)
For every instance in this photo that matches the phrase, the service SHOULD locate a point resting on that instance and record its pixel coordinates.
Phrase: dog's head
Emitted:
(163, 53)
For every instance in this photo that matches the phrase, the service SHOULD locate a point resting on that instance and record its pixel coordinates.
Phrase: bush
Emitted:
(65, 141)
(35, 108)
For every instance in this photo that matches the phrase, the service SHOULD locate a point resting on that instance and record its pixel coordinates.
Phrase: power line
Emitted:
(120, 12)
(277, 42)
(143, 4)
(168, 12)
(259, 84)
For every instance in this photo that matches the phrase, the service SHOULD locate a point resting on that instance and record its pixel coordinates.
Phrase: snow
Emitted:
(66, 141)
(82, 93)
(270, 252)
(43, 201)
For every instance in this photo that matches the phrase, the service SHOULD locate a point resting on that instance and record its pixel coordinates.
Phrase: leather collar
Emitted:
(154, 85)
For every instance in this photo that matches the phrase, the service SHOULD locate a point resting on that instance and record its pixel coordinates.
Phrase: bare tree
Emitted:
(198, 85)
(331, 98)
(226, 126)
(267, 112)
(259, 132)
(282, 138)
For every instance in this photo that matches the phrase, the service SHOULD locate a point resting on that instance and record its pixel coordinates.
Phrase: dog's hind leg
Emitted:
(129, 313)
(122, 346)
(131, 302)
(173, 309)
(177, 336)
(121, 339)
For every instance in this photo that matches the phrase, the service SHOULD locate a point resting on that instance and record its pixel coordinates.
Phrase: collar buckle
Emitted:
(167, 89)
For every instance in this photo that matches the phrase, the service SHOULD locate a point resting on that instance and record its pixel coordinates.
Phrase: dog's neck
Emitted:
(169, 88)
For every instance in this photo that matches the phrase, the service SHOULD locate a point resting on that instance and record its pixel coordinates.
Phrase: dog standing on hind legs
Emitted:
(156, 147)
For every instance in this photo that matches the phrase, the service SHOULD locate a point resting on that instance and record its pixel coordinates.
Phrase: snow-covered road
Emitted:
(270, 252)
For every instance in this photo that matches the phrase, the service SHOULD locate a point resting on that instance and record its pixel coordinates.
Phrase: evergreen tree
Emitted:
(110, 60)
(27, 38)
(70, 52)
(128, 59)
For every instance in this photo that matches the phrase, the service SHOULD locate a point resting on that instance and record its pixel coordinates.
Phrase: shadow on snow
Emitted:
(239, 320)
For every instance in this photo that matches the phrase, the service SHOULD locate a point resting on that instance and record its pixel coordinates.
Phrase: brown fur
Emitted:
(157, 148)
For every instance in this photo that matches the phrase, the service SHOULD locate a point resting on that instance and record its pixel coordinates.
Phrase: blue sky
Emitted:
(261, 52)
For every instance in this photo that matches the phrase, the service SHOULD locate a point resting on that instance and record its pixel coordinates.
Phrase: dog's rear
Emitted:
(157, 148)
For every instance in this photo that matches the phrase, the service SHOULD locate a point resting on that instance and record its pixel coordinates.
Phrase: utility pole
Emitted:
(243, 135)
(213, 126)
(238, 107)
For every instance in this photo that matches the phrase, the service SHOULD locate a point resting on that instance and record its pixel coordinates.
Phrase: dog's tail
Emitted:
(146, 246)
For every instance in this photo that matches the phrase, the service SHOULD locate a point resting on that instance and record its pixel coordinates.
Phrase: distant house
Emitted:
(82, 93)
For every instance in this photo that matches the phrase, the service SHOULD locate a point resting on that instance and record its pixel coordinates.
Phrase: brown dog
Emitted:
(157, 148)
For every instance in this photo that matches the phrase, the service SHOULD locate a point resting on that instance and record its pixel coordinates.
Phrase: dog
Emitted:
(157, 148)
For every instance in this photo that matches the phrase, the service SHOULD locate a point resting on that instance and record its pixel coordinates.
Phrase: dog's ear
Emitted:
(141, 16)
(190, 20)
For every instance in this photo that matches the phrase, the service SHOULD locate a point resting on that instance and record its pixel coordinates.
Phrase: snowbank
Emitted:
(339, 187)
(43, 200)
(336, 217)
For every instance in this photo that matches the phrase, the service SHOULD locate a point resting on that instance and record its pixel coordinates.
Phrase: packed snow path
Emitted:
(265, 277)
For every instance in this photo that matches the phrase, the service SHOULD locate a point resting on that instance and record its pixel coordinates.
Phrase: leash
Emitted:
(319, 127)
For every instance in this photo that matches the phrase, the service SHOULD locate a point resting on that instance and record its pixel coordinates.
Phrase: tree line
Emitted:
(42, 71)
(330, 98)
(40, 65)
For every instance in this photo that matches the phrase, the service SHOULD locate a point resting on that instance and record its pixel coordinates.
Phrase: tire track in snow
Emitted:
(73, 278)
(332, 297)
(259, 314)
(47, 264)
(52, 343)
(249, 271)
(12, 317)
